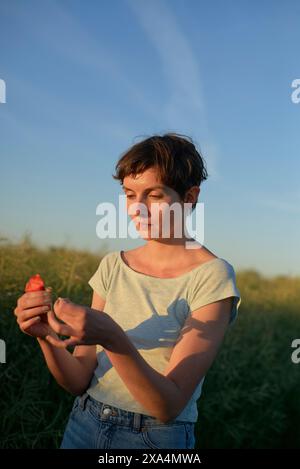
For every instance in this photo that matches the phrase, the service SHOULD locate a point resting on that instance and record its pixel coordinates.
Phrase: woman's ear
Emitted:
(192, 195)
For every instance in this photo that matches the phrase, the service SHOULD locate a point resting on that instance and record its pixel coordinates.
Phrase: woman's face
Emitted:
(147, 189)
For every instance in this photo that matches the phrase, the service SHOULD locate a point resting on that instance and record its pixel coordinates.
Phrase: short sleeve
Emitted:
(216, 282)
(99, 281)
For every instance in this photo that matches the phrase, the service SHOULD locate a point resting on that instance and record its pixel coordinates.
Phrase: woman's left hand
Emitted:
(83, 325)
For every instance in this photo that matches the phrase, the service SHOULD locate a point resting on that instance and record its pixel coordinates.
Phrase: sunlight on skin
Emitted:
(143, 189)
(82, 324)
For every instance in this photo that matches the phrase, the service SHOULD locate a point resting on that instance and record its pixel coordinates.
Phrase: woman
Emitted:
(158, 317)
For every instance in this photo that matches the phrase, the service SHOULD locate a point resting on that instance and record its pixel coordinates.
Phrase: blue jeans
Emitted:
(95, 425)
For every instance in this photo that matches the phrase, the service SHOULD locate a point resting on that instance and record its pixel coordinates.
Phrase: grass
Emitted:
(250, 395)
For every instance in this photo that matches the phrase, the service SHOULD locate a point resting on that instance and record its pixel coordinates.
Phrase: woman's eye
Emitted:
(129, 196)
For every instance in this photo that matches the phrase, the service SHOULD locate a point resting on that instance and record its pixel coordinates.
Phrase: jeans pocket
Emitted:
(165, 436)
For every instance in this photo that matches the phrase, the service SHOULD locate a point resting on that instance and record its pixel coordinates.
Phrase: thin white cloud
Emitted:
(180, 66)
(288, 203)
(287, 206)
(184, 105)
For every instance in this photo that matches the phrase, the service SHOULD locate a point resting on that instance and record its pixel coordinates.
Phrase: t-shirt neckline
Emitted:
(135, 272)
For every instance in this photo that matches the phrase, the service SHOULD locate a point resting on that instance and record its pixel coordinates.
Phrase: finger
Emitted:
(56, 342)
(33, 312)
(73, 341)
(63, 310)
(26, 324)
(32, 295)
(31, 299)
(59, 328)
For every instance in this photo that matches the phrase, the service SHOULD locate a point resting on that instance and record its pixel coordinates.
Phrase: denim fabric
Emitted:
(95, 425)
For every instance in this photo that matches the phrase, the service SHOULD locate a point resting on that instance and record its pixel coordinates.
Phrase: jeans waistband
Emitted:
(109, 413)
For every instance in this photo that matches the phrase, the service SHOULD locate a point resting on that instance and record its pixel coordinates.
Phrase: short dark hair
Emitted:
(179, 164)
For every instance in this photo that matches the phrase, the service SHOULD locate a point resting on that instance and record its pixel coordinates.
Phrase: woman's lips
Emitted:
(144, 225)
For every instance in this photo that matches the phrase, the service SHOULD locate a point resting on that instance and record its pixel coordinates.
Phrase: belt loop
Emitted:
(137, 421)
(83, 400)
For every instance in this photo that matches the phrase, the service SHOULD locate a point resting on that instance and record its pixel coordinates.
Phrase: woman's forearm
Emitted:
(154, 391)
(150, 388)
(67, 370)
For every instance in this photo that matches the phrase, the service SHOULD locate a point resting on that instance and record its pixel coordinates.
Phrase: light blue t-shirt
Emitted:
(152, 311)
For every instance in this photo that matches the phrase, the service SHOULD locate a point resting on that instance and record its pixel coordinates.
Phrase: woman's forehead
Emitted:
(148, 178)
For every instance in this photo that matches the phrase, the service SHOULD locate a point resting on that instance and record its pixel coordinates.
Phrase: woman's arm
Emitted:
(72, 371)
(166, 394)
(68, 370)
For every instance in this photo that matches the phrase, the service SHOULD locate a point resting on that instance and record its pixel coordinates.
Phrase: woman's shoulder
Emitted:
(109, 259)
(215, 269)
(211, 265)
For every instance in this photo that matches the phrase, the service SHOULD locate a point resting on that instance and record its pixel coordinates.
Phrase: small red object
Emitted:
(35, 283)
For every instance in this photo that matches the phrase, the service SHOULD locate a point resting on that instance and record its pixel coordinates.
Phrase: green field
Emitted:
(250, 396)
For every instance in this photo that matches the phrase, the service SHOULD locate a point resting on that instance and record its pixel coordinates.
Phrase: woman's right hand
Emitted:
(31, 313)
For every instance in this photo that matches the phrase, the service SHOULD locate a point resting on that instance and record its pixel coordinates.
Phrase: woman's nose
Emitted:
(144, 209)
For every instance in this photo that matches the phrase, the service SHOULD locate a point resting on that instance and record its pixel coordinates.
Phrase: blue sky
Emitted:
(86, 80)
